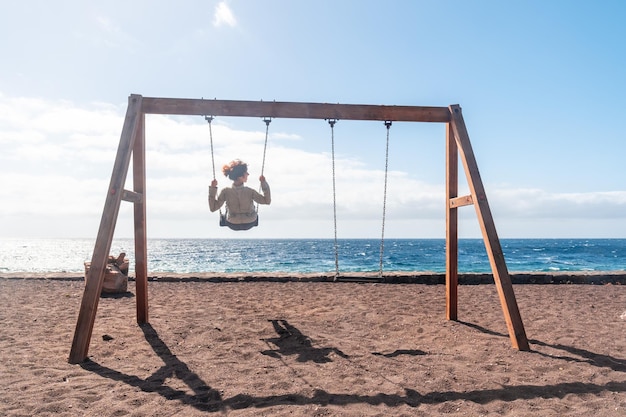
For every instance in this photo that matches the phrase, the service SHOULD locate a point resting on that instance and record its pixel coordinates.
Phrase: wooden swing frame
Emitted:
(132, 143)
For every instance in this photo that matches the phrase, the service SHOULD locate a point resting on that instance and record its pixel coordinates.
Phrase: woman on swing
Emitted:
(239, 199)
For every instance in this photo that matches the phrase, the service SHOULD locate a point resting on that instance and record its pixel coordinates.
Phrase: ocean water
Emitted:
(318, 255)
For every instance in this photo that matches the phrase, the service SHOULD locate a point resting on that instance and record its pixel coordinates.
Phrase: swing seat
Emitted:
(238, 226)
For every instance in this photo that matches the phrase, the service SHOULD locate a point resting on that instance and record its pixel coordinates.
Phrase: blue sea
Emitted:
(318, 255)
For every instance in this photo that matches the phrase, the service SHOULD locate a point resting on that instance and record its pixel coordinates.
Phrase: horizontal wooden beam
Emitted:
(461, 201)
(152, 105)
(132, 196)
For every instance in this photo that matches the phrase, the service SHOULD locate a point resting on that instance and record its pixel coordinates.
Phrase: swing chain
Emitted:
(267, 121)
(332, 122)
(209, 119)
(382, 237)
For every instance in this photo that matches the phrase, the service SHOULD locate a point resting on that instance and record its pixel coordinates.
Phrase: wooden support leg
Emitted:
(492, 243)
(141, 244)
(452, 236)
(95, 277)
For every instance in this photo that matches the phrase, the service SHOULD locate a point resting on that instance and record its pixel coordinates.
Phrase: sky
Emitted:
(541, 84)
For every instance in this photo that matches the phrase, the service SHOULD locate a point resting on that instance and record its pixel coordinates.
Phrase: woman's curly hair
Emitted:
(235, 169)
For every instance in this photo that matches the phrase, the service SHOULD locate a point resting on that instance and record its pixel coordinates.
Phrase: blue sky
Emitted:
(541, 84)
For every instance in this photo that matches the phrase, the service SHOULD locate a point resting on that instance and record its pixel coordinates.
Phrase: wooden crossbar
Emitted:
(294, 110)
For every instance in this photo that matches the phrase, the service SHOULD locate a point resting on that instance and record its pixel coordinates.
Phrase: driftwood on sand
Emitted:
(115, 276)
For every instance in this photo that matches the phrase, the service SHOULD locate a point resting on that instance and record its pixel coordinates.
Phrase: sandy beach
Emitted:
(259, 348)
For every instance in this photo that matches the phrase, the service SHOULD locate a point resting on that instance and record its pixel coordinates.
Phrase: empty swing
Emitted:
(239, 200)
(332, 123)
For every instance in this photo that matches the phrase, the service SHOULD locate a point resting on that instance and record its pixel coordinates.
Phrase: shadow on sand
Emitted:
(291, 341)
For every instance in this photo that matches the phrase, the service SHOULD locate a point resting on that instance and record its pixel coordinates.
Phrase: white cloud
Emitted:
(224, 15)
(536, 203)
(58, 166)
